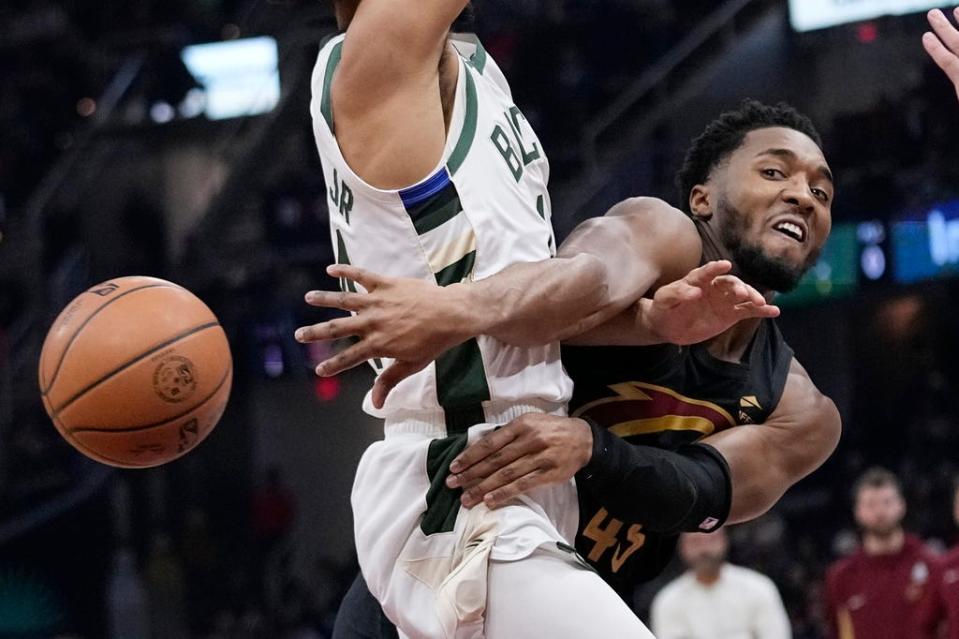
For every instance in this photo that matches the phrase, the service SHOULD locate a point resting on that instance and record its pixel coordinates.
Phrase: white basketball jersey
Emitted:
(484, 208)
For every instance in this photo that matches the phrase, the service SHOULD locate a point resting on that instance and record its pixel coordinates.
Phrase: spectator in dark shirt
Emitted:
(880, 590)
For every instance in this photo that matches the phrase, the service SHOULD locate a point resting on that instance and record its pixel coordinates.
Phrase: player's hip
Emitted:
(404, 512)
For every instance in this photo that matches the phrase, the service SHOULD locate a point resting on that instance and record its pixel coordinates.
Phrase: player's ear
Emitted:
(700, 202)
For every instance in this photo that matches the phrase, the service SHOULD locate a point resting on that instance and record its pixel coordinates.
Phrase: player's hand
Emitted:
(531, 451)
(405, 319)
(943, 45)
(702, 305)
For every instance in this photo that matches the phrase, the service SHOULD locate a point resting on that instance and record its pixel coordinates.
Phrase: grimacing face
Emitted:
(771, 201)
(880, 510)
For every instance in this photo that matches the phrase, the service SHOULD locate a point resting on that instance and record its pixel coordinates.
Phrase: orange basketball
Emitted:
(135, 372)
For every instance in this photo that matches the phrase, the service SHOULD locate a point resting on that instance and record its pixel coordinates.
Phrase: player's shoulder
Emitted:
(654, 218)
(647, 209)
(802, 394)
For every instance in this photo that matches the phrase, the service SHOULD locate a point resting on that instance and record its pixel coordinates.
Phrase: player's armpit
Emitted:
(766, 459)
(389, 38)
(392, 87)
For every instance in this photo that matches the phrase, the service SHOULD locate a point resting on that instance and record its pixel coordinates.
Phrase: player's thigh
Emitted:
(546, 595)
(361, 617)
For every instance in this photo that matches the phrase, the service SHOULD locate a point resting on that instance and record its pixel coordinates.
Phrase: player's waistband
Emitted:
(432, 423)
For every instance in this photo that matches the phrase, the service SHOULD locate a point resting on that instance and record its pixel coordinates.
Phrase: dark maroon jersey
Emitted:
(880, 596)
(943, 601)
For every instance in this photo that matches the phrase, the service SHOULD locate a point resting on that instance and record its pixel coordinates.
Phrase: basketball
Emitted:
(135, 372)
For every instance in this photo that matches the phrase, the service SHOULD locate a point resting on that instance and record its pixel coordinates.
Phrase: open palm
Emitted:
(704, 304)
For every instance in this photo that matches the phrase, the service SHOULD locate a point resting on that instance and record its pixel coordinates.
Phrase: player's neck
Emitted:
(731, 345)
(883, 544)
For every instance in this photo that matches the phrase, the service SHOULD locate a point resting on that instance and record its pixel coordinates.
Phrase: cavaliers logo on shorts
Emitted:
(174, 379)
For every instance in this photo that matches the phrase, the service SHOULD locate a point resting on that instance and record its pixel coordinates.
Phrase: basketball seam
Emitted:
(137, 429)
(135, 360)
(93, 454)
(73, 337)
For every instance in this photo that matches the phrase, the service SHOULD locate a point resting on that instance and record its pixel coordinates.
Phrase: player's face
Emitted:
(879, 510)
(774, 207)
(703, 552)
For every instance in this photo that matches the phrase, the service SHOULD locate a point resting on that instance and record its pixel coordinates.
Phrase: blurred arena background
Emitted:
(173, 139)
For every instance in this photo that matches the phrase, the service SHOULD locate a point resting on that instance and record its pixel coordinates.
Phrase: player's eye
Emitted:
(773, 173)
(822, 195)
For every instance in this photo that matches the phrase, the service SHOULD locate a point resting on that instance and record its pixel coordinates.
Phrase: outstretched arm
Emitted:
(943, 44)
(604, 268)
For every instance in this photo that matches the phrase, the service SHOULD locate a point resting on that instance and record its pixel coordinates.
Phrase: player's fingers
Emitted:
(944, 59)
(336, 299)
(353, 356)
(488, 466)
(944, 29)
(366, 279)
(521, 486)
(706, 273)
(748, 309)
(388, 379)
(731, 289)
(483, 447)
(334, 329)
(503, 476)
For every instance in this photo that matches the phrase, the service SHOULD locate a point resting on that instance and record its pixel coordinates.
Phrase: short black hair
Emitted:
(726, 133)
(876, 477)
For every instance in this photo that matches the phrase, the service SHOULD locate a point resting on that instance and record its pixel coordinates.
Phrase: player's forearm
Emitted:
(686, 490)
(543, 302)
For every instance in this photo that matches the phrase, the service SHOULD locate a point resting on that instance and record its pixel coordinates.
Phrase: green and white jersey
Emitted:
(483, 208)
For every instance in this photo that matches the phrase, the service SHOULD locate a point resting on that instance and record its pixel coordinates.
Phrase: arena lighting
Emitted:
(239, 77)
(835, 275)
(807, 15)
(926, 246)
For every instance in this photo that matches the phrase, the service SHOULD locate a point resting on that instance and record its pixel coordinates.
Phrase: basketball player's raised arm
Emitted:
(385, 94)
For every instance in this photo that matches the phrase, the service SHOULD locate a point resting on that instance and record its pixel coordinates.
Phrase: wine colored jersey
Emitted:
(879, 596)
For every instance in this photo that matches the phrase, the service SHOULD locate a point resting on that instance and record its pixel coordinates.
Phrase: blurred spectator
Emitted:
(879, 591)
(715, 599)
(943, 602)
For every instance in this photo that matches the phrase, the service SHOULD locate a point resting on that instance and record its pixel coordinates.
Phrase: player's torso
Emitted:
(664, 396)
(484, 208)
